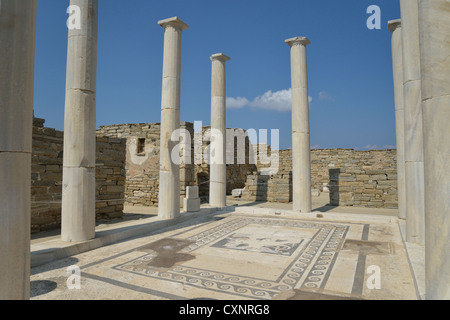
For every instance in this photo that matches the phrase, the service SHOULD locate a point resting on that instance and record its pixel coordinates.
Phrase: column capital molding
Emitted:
(220, 57)
(174, 22)
(394, 24)
(298, 41)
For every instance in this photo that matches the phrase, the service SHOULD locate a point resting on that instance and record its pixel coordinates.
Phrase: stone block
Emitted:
(191, 205)
(192, 192)
(237, 193)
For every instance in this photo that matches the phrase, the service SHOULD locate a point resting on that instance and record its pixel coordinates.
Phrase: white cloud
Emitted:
(324, 96)
(375, 147)
(237, 103)
(280, 101)
(370, 147)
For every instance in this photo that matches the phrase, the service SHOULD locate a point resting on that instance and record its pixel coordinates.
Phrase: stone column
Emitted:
(169, 172)
(395, 27)
(301, 150)
(434, 27)
(414, 166)
(78, 197)
(17, 40)
(218, 168)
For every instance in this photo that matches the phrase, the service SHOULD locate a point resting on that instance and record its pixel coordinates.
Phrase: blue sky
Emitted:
(349, 66)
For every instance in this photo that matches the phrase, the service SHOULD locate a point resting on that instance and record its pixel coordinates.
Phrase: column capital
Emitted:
(298, 41)
(394, 24)
(220, 56)
(175, 22)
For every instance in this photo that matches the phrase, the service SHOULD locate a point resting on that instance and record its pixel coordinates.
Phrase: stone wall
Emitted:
(354, 178)
(238, 166)
(46, 177)
(142, 166)
(142, 162)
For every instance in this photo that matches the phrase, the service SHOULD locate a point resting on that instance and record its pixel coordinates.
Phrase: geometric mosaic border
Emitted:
(310, 268)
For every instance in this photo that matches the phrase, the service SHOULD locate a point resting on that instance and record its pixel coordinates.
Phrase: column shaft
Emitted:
(17, 40)
(434, 26)
(301, 150)
(414, 166)
(169, 173)
(78, 198)
(218, 169)
(397, 66)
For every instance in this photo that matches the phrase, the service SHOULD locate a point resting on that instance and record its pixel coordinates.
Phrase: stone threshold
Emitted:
(52, 248)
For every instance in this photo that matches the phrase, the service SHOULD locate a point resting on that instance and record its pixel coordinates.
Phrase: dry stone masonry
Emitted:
(47, 177)
(354, 178)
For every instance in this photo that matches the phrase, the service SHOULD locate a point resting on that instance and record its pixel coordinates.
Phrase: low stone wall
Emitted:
(354, 178)
(46, 177)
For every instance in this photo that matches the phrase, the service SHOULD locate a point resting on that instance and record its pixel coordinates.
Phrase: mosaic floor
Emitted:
(240, 256)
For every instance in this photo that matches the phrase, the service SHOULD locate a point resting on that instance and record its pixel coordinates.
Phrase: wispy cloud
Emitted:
(237, 103)
(376, 147)
(324, 96)
(280, 101)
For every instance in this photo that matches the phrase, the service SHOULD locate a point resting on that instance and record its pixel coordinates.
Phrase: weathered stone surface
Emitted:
(78, 200)
(414, 155)
(46, 178)
(434, 28)
(301, 155)
(397, 64)
(169, 173)
(218, 152)
(17, 39)
(374, 176)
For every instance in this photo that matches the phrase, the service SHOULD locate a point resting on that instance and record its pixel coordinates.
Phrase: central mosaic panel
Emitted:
(254, 238)
(276, 254)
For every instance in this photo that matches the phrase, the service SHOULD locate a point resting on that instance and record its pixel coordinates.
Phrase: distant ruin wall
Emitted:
(142, 162)
(46, 177)
(354, 178)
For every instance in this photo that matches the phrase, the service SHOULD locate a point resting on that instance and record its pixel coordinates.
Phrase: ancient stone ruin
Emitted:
(72, 179)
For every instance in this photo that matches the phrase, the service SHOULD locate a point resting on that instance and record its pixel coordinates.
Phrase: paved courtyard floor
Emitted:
(249, 251)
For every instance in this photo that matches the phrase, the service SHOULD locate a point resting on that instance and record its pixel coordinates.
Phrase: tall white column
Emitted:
(395, 26)
(17, 42)
(218, 168)
(414, 167)
(301, 149)
(434, 27)
(78, 198)
(169, 172)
